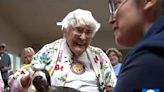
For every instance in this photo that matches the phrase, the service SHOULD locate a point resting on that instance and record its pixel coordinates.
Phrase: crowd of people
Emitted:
(71, 63)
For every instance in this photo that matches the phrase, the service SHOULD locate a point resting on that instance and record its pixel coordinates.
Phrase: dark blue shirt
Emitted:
(4, 61)
(144, 65)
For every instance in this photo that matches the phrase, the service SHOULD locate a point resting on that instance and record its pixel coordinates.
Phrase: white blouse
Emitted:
(85, 82)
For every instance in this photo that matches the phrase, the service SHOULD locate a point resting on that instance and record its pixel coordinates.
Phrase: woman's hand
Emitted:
(26, 81)
(109, 89)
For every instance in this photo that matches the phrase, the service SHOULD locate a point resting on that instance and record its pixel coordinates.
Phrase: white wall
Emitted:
(14, 40)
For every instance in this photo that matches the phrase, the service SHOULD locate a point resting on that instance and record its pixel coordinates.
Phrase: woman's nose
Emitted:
(83, 36)
(112, 19)
(29, 58)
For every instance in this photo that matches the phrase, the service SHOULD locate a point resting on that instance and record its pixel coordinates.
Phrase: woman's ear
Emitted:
(64, 32)
(148, 4)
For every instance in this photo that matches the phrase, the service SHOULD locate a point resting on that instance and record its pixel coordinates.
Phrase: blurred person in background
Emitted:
(71, 61)
(139, 24)
(5, 63)
(27, 55)
(2, 85)
(26, 58)
(115, 57)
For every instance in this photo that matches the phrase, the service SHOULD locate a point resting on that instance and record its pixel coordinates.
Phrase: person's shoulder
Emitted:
(53, 44)
(6, 54)
(96, 49)
(58, 41)
(26, 66)
(146, 58)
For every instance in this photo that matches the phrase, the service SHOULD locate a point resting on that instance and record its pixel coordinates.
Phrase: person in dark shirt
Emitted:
(139, 24)
(5, 63)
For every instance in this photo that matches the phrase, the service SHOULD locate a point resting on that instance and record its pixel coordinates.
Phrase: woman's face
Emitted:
(127, 23)
(2, 49)
(78, 38)
(114, 59)
(27, 56)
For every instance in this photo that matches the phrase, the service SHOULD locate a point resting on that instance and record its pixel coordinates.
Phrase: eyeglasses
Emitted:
(79, 31)
(115, 5)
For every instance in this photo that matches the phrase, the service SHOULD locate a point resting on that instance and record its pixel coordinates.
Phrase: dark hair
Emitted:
(160, 5)
(162, 1)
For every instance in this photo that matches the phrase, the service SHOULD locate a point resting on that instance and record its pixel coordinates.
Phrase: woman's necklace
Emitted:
(77, 67)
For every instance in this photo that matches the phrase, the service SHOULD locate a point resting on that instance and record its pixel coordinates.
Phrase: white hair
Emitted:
(79, 16)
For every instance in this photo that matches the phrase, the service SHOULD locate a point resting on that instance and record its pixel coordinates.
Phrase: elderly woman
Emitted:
(71, 61)
(115, 57)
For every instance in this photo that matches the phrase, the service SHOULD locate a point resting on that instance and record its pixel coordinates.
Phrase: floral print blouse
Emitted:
(57, 59)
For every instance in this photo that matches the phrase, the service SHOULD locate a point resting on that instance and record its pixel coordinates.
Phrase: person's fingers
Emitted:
(109, 89)
(26, 81)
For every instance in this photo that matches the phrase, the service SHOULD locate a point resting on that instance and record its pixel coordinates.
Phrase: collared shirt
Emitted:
(117, 68)
(4, 62)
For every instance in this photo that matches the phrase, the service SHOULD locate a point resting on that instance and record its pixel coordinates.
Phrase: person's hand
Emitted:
(4, 69)
(26, 81)
(109, 89)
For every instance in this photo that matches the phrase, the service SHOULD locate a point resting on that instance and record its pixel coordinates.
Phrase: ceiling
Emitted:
(36, 19)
